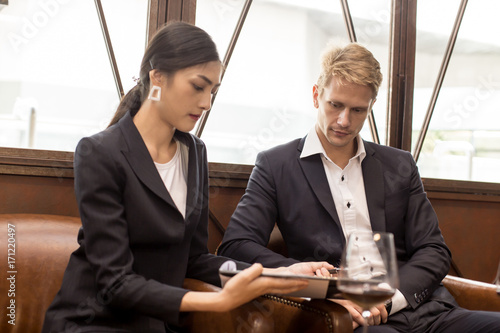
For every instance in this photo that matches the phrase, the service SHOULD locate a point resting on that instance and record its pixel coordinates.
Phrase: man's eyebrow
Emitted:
(206, 79)
(366, 107)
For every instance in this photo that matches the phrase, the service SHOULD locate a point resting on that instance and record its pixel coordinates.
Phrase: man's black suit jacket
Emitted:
(135, 246)
(294, 193)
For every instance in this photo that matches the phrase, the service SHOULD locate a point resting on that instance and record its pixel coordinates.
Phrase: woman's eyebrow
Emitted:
(206, 79)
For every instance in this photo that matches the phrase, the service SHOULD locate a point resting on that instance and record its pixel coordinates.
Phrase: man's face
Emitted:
(342, 110)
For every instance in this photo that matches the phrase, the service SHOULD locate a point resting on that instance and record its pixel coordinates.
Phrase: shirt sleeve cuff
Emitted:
(399, 302)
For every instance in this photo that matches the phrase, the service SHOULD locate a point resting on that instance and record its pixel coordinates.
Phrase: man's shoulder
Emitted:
(375, 148)
(282, 152)
(293, 146)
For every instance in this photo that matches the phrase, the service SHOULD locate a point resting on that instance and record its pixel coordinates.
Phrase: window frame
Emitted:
(59, 164)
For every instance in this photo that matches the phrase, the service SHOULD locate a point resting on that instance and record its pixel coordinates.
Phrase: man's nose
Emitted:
(343, 118)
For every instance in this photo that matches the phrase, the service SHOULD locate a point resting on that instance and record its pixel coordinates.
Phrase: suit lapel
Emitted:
(193, 176)
(313, 169)
(373, 178)
(140, 160)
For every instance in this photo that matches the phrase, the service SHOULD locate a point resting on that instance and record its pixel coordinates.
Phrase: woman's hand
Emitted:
(240, 289)
(306, 268)
(248, 285)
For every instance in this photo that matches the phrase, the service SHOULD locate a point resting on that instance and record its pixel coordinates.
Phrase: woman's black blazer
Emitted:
(135, 246)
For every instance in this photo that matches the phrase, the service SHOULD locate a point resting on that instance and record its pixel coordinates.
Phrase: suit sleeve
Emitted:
(428, 257)
(98, 187)
(251, 225)
(203, 265)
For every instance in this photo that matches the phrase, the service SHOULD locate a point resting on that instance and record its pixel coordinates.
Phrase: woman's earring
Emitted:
(155, 93)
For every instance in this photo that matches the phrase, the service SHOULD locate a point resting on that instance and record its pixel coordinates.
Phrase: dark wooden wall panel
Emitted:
(38, 195)
(469, 214)
(223, 201)
(471, 230)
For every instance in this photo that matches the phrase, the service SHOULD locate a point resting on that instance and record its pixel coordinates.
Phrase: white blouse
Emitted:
(174, 176)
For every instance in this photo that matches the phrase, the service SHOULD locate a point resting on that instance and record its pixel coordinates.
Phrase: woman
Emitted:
(142, 192)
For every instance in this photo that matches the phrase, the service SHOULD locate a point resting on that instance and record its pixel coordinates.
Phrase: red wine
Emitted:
(366, 297)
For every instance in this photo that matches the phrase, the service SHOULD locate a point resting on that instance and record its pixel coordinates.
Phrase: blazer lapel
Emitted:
(313, 169)
(140, 160)
(193, 178)
(373, 178)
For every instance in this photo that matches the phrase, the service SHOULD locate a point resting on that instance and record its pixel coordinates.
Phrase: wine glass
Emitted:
(368, 272)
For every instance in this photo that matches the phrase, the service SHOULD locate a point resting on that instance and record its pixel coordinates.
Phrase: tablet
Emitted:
(319, 286)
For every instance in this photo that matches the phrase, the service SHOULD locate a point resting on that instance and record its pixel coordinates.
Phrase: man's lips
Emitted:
(340, 133)
(195, 116)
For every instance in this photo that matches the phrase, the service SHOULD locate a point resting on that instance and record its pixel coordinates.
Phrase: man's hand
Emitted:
(307, 268)
(378, 313)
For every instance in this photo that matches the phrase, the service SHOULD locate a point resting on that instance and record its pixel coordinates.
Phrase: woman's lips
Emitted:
(195, 117)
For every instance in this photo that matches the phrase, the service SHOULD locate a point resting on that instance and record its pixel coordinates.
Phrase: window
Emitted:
(462, 140)
(266, 94)
(56, 80)
(57, 83)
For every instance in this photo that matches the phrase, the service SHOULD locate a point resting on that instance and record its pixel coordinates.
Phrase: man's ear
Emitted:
(315, 96)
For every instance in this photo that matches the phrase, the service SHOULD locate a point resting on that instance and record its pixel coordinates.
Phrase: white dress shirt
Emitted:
(347, 185)
(348, 193)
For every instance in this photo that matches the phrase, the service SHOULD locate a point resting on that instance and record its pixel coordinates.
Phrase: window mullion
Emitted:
(109, 48)
(352, 37)
(402, 71)
(440, 79)
(225, 62)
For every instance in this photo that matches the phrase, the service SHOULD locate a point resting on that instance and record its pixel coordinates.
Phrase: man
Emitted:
(320, 188)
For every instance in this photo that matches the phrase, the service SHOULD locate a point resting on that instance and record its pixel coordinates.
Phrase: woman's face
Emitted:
(187, 94)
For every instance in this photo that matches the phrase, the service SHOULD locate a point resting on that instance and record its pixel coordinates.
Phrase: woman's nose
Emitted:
(206, 102)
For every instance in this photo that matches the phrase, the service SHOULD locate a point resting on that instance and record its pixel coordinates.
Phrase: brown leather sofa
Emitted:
(41, 245)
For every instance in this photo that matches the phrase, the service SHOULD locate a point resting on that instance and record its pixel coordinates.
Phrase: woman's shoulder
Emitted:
(104, 141)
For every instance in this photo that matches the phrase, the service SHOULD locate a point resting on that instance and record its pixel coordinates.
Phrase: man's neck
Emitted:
(340, 155)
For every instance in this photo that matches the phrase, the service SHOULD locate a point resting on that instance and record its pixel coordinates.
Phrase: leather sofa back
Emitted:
(36, 251)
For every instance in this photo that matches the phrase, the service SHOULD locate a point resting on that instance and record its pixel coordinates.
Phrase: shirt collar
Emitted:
(313, 146)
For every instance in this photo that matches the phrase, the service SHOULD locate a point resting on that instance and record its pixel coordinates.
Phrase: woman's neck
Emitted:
(157, 135)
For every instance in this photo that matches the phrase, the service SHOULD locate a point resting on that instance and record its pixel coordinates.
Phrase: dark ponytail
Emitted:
(175, 46)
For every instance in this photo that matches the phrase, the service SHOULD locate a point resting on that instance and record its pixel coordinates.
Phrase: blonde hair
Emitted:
(353, 63)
